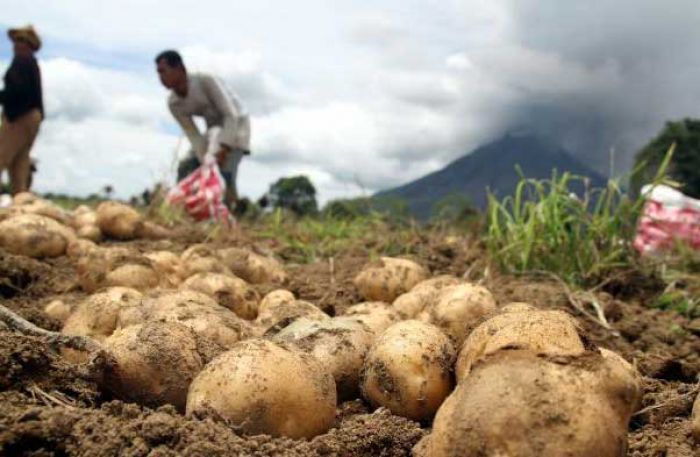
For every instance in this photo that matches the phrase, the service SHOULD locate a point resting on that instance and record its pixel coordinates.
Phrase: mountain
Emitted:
(490, 167)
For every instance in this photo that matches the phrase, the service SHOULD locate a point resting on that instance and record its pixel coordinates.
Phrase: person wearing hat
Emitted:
(23, 108)
(227, 138)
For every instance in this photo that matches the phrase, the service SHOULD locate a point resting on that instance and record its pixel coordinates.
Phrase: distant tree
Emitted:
(296, 194)
(348, 208)
(685, 165)
(453, 207)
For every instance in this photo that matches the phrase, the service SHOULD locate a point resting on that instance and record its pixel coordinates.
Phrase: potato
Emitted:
(115, 267)
(517, 307)
(461, 308)
(194, 310)
(24, 198)
(260, 387)
(409, 370)
(378, 316)
(389, 280)
(543, 332)
(230, 292)
(339, 344)
(90, 232)
(276, 317)
(80, 247)
(167, 266)
(59, 310)
(96, 317)
(518, 403)
(117, 220)
(695, 420)
(200, 259)
(35, 236)
(154, 363)
(275, 299)
(83, 218)
(422, 295)
(252, 267)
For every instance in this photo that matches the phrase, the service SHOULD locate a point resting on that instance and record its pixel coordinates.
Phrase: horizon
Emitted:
(359, 96)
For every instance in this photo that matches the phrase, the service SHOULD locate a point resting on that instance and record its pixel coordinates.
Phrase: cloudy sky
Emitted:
(360, 95)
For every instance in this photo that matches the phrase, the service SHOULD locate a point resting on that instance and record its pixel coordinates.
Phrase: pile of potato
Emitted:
(191, 330)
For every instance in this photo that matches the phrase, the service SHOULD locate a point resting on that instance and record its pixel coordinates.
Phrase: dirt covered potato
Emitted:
(409, 370)
(35, 236)
(155, 363)
(542, 332)
(279, 314)
(117, 220)
(460, 308)
(339, 344)
(260, 387)
(378, 316)
(110, 267)
(28, 203)
(167, 265)
(388, 280)
(422, 295)
(275, 299)
(194, 310)
(252, 267)
(230, 292)
(201, 259)
(518, 403)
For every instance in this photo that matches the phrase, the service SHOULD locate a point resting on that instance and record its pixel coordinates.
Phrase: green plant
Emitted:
(544, 227)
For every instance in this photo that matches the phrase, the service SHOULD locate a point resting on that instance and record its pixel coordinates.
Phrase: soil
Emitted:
(50, 407)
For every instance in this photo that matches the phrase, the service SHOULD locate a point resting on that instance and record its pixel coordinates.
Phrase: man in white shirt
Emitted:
(227, 138)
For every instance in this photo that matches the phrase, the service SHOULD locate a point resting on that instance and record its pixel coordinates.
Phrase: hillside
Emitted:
(491, 166)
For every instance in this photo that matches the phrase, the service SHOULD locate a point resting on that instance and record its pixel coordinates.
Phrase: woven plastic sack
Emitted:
(201, 194)
(668, 217)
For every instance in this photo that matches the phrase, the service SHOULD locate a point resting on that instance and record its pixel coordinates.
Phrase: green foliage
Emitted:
(453, 208)
(685, 166)
(543, 227)
(390, 209)
(296, 194)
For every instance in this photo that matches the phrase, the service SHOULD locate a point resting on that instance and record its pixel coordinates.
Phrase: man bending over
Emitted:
(227, 138)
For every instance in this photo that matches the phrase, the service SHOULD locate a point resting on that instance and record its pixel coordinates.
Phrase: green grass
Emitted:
(542, 227)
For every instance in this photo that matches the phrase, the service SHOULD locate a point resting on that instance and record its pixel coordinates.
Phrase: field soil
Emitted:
(49, 407)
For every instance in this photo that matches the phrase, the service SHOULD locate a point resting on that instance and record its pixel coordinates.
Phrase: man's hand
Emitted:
(221, 154)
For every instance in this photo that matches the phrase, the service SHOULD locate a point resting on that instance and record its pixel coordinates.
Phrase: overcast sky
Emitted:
(360, 95)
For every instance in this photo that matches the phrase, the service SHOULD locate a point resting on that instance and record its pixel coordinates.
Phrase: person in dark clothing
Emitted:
(23, 108)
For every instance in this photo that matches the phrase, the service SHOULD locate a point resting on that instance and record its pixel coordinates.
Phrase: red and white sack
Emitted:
(668, 217)
(201, 193)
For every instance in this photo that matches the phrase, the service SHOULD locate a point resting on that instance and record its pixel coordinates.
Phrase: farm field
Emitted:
(50, 406)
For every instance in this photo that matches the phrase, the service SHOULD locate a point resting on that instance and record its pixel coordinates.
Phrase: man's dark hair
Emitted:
(172, 58)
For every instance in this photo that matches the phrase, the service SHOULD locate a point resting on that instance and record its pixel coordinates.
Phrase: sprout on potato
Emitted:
(409, 370)
(263, 388)
(339, 344)
(389, 280)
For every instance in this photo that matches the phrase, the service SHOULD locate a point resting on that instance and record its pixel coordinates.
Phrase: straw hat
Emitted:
(26, 33)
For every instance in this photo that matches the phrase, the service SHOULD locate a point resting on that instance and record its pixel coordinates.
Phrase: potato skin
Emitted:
(378, 316)
(460, 308)
(422, 295)
(117, 220)
(34, 236)
(517, 403)
(543, 332)
(339, 344)
(264, 388)
(115, 267)
(278, 315)
(155, 363)
(252, 267)
(59, 310)
(389, 280)
(230, 292)
(409, 370)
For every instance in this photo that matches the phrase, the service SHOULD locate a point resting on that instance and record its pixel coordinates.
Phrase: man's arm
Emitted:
(198, 142)
(227, 106)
